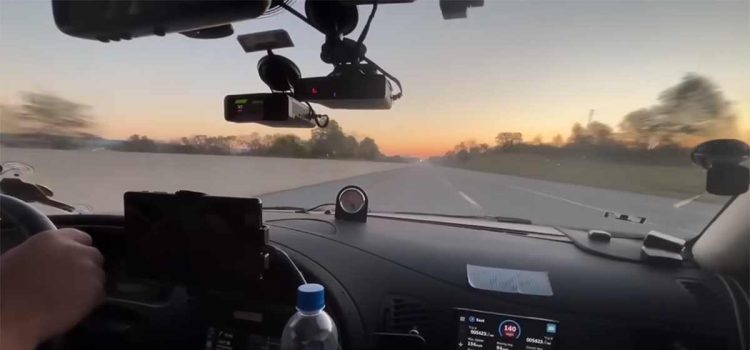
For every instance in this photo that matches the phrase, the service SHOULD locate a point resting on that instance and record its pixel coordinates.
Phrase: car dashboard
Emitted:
(393, 283)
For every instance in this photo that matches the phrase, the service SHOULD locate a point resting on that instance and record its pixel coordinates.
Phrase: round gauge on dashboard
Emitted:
(351, 204)
(352, 200)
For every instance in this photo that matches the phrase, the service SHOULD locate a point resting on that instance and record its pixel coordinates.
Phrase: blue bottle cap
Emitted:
(311, 297)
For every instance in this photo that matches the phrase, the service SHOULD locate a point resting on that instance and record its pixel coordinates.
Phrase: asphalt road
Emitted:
(432, 189)
(98, 179)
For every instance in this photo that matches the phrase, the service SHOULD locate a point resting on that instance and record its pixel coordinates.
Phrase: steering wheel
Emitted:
(25, 219)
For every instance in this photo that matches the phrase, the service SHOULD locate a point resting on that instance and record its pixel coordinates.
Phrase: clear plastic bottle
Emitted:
(310, 328)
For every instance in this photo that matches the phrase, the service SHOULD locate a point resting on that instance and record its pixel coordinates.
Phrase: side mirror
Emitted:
(723, 160)
(107, 20)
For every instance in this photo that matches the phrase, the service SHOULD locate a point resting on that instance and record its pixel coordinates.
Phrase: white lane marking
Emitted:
(648, 222)
(446, 183)
(471, 201)
(559, 198)
(686, 201)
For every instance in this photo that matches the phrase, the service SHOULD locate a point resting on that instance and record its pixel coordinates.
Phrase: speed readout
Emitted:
(509, 329)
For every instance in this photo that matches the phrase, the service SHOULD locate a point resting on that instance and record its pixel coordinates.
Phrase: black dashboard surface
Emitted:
(397, 276)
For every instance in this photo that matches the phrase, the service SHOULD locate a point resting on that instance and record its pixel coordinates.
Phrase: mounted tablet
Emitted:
(195, 240)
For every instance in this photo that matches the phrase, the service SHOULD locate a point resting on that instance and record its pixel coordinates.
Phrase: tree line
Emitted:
(693, 110)
(330, 142)
(47, 121)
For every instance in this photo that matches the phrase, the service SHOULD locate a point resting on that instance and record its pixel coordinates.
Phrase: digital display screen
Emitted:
(239, 108)
(194, 240)
(230, 339)
(479, 330)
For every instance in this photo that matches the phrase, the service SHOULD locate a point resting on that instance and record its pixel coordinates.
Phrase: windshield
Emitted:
(572, 113)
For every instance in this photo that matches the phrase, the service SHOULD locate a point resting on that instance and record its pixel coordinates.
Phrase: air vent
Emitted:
(652, 339)
(404, 315)
(704, 295)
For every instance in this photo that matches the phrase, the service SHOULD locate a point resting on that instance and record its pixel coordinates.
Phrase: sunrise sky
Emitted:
(534, 67)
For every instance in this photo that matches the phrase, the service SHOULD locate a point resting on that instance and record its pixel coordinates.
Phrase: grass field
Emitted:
(667, 181)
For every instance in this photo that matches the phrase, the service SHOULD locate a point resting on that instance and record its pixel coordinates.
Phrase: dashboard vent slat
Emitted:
(704, 295)
(404, 314)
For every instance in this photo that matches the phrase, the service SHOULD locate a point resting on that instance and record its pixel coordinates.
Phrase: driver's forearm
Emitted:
(14, 331)
(14, 338)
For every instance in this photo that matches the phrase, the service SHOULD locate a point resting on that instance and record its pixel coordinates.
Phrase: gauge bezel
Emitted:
(361, 194)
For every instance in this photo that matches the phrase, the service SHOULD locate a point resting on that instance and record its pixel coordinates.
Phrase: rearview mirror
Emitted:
(107, 20)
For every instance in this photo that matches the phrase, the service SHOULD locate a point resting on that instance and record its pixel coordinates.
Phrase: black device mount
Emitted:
(723, 160)
(278, 72)
(279, 108)
(335, 19)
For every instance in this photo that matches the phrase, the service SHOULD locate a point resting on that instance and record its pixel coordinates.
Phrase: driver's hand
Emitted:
(47, 285)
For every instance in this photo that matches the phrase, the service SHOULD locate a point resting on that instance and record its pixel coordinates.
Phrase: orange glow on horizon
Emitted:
(434, 140)
(390, 144)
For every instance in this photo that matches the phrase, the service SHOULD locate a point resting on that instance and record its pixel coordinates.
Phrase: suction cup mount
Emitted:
(725, 161)
(333, 18)
(336, 19)
(278, 72)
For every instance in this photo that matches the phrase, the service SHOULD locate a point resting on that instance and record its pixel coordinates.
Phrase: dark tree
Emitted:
(507, 139)
(579, 135)
(137, 143)
(46, 120)
(349, 147)
(368, 149)
(463, 156)
(327, 142)
(287, 146)
(595, 133)
(209, 144)
(47, 114)
(558, 141)
(693, 108)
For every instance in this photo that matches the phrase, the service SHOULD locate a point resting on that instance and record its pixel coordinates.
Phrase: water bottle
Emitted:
(310, 328)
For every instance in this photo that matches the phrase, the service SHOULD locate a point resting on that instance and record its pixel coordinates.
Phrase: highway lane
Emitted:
(98, 179)
(433, 189)
(392, 187)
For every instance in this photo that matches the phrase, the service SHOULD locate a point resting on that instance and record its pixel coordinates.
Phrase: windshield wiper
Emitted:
(299, 210)
(287, 208)
(505, 219)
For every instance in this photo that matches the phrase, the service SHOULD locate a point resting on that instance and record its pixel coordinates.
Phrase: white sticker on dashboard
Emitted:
(508, 280)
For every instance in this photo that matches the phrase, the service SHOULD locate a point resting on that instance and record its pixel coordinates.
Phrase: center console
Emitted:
(196, 272)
